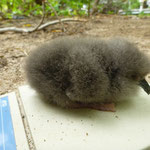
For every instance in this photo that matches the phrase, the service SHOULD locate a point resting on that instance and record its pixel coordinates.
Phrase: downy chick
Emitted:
(76, 72)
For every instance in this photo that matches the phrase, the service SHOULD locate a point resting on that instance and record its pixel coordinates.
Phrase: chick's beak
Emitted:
(144, 84)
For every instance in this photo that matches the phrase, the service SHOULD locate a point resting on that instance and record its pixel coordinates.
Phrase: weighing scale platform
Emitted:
(28, 123)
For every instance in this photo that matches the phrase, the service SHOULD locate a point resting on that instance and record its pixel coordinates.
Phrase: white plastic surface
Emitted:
(54, 128)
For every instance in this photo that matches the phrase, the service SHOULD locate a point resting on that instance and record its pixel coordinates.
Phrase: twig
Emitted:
(15, 29)
(41, 22)
(63, 28)
(27, 30)
(89, 7)
(57, 21)
(95, 9)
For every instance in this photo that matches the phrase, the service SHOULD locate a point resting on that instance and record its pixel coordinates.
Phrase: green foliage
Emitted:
(29, 7)
(143, 15)
(132, 4)
(11, 8)
(110, 12)
(135, 4)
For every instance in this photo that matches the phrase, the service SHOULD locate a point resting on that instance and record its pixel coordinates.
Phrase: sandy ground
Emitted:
(14, 47)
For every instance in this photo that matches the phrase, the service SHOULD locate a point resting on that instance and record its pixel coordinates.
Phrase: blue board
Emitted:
(7, 138)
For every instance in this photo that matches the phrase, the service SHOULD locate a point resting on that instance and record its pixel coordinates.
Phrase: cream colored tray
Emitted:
(53, 128)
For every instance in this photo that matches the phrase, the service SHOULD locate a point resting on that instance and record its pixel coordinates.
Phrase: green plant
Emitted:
(9, 8)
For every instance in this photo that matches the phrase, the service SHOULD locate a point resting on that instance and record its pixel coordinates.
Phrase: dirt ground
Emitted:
(14, 47)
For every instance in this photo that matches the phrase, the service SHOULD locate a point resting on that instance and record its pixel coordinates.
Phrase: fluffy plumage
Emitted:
(86, 70)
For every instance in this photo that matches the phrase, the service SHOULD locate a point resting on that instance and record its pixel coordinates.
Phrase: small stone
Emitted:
(3, 62)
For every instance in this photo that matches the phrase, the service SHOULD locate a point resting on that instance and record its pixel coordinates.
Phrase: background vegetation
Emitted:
(15, 8)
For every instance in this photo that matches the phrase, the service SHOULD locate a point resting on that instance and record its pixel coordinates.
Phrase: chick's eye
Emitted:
(133, 76)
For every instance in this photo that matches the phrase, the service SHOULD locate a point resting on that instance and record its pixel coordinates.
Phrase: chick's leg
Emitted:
(96, 106)
(104, 107)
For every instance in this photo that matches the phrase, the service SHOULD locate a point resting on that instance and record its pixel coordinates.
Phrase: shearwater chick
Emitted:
(77, 72)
